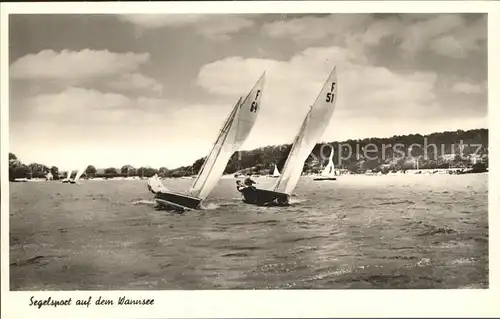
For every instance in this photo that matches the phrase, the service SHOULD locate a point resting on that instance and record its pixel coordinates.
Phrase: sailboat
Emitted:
(328, 173)
(276, 172)
(233, 134)
(312, 129)
(68, 177)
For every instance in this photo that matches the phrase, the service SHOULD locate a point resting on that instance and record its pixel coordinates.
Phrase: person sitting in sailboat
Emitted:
(248, 182)
(239, 185)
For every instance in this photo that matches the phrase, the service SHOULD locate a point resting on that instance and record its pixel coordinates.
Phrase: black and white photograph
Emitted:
(246, 151)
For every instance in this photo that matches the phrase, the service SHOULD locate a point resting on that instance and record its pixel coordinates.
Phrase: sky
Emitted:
(154, 90)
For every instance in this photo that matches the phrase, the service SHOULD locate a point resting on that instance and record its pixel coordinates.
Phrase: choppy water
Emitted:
(428, 231)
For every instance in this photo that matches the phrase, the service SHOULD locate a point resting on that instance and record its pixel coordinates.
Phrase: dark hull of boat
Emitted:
(177, 200)
(474, 171)
(325, 179)
(262, 197)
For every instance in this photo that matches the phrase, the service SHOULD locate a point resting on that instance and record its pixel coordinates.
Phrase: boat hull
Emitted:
(325, 179)
(177, 201)
(262, 197)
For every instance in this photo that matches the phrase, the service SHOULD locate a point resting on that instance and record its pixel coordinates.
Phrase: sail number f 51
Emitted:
(330, 95)
(255, 105)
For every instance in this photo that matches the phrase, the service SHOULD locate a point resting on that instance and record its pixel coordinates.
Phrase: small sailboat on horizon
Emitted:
(312, 129)
(68, 177)
(276, 172)
(233, 134)
(78, 176)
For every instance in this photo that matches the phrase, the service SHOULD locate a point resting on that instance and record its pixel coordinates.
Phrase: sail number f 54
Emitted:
(330, 95)
(255, 105)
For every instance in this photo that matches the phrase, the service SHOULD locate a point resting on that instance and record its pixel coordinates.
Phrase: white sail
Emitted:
(156, 185)
(234, 132)
(69, 174)
(276, 173)
(311, 131)
(329, 169)
(80, 173)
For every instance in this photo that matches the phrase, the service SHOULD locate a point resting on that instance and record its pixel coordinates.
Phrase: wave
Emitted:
(429, 229)
(463, 261)
(297, 201)
(398, 202)
(209, 206)
(239, 254)
(144, 202)
(437, 230)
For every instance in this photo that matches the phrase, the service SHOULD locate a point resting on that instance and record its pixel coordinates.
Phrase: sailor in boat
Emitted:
(239, 186)
(266, 198)
(247, 183)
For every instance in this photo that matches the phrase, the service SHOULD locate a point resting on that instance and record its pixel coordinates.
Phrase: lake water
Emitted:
(408, 231)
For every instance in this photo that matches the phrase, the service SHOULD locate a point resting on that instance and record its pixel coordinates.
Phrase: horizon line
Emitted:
(269, 145)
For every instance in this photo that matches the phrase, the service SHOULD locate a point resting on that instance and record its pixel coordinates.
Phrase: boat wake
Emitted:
(297, 200)
(209, 206)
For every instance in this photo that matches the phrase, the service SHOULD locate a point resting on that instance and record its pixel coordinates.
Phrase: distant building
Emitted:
(49, 176)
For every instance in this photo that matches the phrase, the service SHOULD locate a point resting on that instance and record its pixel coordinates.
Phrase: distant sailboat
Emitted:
(312, 129)
(78, 175)
(276, 173)
(68, 177)
(328, 173)
(234, 132)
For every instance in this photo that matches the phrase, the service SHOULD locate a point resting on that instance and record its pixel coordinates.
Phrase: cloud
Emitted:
(219, 28)
(142, 130)
(75, 65)
(153, 21)
(212, 26)
(448, 46)
(458, 44)
(468, 88)
(81, 106)
(415, 36)
(365, 91)
(451, 35)
(309, 28)
(136, 81)
(87, 106)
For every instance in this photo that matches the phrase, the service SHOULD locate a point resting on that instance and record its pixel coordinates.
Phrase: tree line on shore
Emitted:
(450, 149)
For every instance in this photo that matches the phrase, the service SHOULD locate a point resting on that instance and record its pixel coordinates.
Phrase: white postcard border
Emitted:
(268, 303)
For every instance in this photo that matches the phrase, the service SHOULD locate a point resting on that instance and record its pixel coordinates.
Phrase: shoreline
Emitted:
(231, 176)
